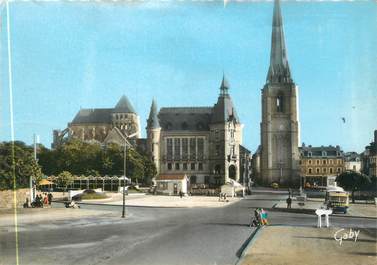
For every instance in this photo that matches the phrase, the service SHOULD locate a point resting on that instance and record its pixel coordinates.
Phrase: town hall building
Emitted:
(202, 143)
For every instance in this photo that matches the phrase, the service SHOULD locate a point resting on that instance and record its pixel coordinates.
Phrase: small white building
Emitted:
(171, 184)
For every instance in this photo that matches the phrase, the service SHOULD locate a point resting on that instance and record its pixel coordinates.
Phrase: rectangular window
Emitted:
(192, 148)
(217, 150)
(206, 180)
(169, 166)
(217, 135)
(177, 148)
(184, 148)
(200, 148)
(176, 166)
(200, 166)
(192, 166)
(169, 148)
(184, 166)
(193, 179)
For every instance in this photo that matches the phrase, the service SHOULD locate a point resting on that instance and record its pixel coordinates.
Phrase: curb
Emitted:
(247, 244)
(312, 212)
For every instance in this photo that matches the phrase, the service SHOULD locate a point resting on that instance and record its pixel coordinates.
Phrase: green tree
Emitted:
(64, 179)
(150, 170)
(17, 163)
(351, 180)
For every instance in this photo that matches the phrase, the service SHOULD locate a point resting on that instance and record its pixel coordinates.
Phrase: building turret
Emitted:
(226, 134)
(153, 136)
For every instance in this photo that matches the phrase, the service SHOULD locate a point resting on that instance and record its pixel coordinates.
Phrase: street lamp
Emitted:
(124, 173)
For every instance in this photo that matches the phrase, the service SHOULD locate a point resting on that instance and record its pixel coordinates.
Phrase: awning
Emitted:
(45, 182)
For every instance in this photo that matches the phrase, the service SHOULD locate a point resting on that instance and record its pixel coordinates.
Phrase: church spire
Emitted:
(224, 86)
(279, 68)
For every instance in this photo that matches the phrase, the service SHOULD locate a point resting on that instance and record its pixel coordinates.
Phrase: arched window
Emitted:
(232, 172)
(279, 103)
(310, 171)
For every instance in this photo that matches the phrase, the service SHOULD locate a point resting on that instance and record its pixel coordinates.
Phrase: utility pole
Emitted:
(32, 189)
(244, 175)
(124, 172)
(124, 180)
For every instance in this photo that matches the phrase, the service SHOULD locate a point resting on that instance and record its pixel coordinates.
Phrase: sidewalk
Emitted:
(305, 245)
(354, 210)
(164, 201)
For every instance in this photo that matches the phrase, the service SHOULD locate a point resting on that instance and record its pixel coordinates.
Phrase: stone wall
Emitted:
(7, 198)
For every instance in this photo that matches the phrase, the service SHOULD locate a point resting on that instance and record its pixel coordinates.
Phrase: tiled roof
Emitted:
(321, 151)
(124, 106)
(185, 118)
(92, 116)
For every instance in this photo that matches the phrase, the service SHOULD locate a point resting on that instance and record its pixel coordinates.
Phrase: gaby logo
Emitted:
(341, 235)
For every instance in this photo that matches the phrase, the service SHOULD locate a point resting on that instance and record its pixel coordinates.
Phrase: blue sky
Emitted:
(68, 55)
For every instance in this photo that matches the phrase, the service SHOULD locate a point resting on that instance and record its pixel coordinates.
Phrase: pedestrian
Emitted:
(26, 204)
(45, 200)
(180, 194)
(289, 202)
(49, 196)
(263, 215)
(257, 217)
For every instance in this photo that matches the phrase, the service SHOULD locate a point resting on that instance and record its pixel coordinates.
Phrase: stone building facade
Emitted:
(317, 164)
(369, 158)
(352, 161)
(280, 135)
(111, 125)
(201, 142)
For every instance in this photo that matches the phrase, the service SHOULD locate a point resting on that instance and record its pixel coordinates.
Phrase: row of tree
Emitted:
(76, 157)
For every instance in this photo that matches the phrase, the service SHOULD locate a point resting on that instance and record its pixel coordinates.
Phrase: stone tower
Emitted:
(124, 117)
(225, 138)
(280, 122)
(153, 136)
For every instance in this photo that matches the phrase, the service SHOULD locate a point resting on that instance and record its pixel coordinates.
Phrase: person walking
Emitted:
(263, 215)
(180, 194)
(49, 196)
(45, 200)
(289, 202)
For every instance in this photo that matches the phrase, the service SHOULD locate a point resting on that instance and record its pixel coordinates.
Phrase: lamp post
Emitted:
(244, 175)
(124, 173)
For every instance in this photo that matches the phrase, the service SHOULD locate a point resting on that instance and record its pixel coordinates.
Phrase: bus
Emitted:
(337, 199)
